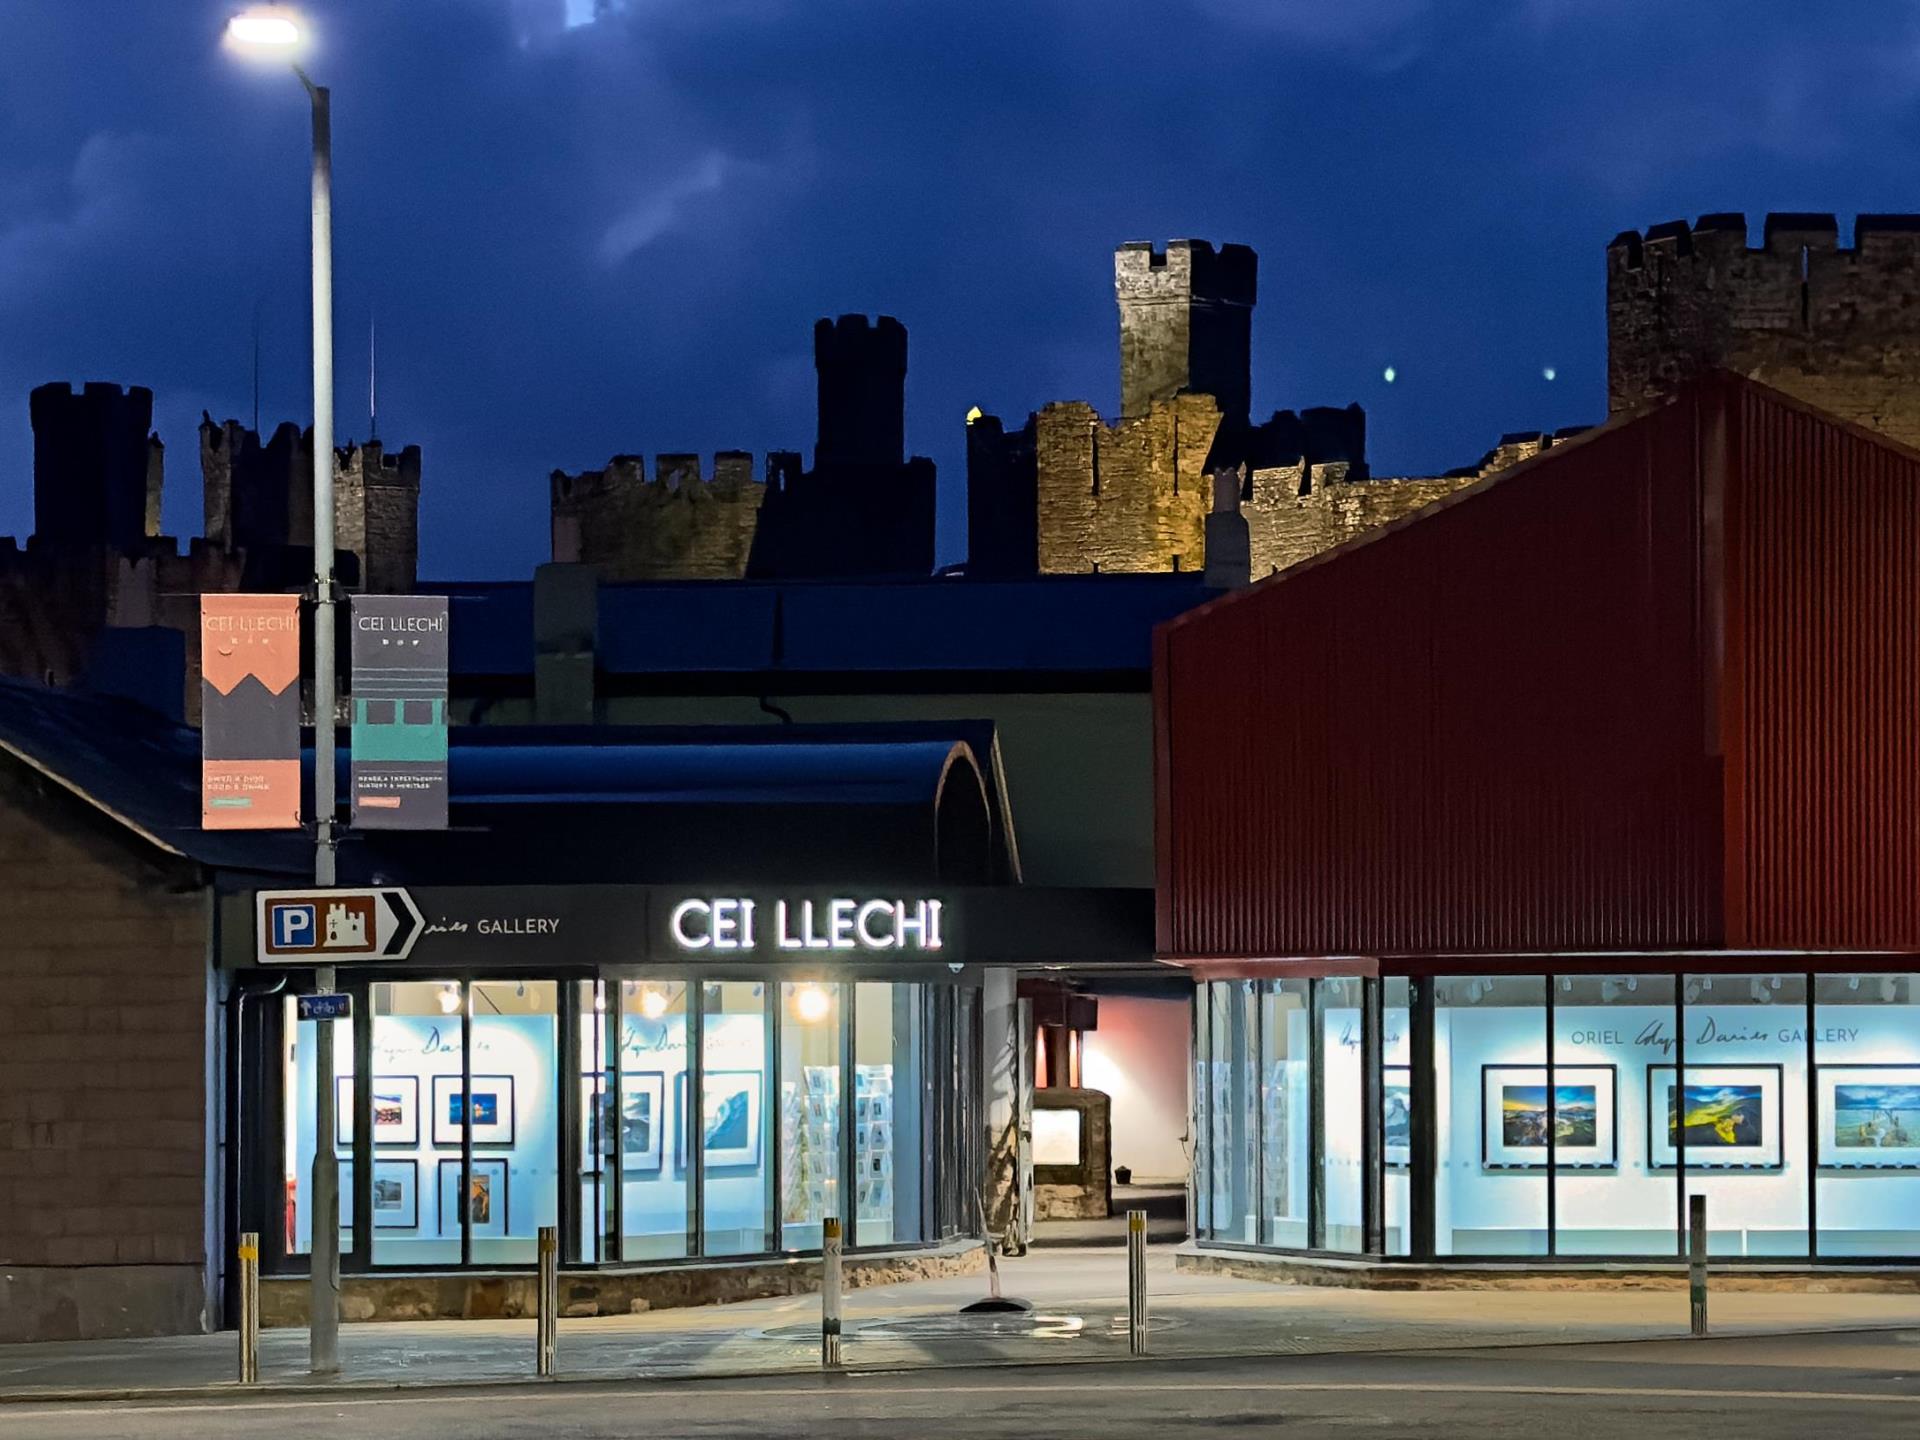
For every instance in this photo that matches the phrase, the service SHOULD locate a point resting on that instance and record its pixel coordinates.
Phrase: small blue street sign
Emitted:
(293, 927)
(331, 1006)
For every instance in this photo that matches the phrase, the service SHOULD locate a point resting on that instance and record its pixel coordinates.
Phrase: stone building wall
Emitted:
(1128, 496)
(104, 1045)
(1838, 328)
(677, 524)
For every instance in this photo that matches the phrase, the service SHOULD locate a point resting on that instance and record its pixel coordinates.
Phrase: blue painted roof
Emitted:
(1054, 624)
(525, 790)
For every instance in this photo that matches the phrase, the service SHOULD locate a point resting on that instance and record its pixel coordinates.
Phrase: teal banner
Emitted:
(399, 771)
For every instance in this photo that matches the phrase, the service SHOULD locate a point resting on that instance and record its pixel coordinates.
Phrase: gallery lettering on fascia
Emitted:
(734, 923)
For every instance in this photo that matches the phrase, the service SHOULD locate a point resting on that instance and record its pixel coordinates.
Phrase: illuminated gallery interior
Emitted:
(1798, 1117)
(565, 1102)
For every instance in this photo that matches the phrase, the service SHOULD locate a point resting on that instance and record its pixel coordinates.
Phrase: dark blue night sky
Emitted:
(594, 228)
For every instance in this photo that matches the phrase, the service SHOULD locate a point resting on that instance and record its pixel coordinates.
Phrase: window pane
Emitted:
(886, 1113)
(515, 1117)
(1866, 1032)
(733, 1123)
(1202, 1108)
(1283, 1112)
(1342, 1176)
(810, 1110)
(1490, 1169)
(1608, 1030)
(652, 1047)
(596, 1159)
(1744, 1111)
(416, 1067)
(299, 1045)
(1396, 1113)
(1231, 1142)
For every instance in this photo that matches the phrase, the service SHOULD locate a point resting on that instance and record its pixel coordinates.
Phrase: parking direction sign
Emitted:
(331, 927)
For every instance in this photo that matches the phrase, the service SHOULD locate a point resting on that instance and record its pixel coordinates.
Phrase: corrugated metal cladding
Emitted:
(1500, 726)
(1823, 678)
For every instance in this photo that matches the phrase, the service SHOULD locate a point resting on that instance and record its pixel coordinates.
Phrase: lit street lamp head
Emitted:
(269, 31)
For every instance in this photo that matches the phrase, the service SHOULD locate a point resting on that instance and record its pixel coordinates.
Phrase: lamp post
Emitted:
(278, 32)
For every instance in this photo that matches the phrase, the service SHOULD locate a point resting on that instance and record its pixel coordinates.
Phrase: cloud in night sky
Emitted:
(585, 227)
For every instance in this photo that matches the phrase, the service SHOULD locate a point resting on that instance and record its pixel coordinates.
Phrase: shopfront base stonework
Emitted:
(454, 1296)
(1367, 1275)
(97, 1302)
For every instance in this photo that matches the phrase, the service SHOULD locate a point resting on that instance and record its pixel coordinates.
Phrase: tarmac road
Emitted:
(1855, 1386)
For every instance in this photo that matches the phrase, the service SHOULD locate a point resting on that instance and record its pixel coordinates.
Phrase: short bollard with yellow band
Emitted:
(830, 1291)
(248, 1255)
(546, 1327)
(1137, 1282)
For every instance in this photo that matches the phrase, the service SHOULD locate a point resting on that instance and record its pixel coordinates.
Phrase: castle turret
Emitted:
(1186, 322)
(863, 385)
(96, 466)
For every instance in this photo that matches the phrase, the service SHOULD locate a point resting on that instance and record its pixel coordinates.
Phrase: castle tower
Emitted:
(377, 504)
(863, 380)
(1831, 326)
(259, 499)
(1186, 320)
(96, 465)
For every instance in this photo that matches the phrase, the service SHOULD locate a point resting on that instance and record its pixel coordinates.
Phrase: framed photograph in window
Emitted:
(643, 1097)
(1514, 1117)
(598, 1128)
(486, 1208)
(731, 1129)
(1396, 1115)
(492, 1110)
(1869, 1117)
(396, 1109)
(1728, 1115)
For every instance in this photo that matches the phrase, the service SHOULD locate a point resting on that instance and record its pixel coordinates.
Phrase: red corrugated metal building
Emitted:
(1633, 719)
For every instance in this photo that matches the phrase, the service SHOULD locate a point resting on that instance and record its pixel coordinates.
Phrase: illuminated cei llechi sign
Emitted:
(735, 924)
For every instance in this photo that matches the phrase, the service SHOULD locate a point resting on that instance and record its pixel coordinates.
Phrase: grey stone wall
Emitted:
(103, 1062)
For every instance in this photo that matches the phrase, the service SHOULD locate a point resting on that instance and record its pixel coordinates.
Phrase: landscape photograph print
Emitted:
(1519, 1115)
(1725, 1116)
(1870, 1116)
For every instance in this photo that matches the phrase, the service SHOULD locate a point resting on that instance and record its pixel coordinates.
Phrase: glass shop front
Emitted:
(1524, 1116)
(654, 1113)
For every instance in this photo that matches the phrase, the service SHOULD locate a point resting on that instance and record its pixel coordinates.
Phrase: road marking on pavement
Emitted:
(599, 1389)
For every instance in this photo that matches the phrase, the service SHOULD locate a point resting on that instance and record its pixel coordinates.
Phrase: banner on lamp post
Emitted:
(250, 712)
(399, 772)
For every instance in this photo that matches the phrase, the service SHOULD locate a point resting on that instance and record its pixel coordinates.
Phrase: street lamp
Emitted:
(276, 32)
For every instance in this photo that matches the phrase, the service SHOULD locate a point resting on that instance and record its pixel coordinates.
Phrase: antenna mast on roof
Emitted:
(258, 302)
(373, 387)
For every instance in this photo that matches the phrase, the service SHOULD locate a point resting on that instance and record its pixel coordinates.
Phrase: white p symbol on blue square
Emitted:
(293, 927)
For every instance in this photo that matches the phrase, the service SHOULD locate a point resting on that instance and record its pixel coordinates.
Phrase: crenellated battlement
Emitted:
(1827, 322)
(1186, 271)
(855, 338)
(676, 478)
(679, 520)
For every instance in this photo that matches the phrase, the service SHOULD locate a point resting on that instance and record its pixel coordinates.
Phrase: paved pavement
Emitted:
(1864, 1387)
(1079, 1317)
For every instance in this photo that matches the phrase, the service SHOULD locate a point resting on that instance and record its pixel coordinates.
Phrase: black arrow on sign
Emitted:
(406, 923)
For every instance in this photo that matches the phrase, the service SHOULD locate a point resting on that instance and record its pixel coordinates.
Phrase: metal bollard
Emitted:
(1137, 1281)
(249, 1254)
(1697, 1260)
(830, 1292)
(547, 1319)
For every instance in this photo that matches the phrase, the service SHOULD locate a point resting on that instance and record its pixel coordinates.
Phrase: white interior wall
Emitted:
(1138, 1056)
